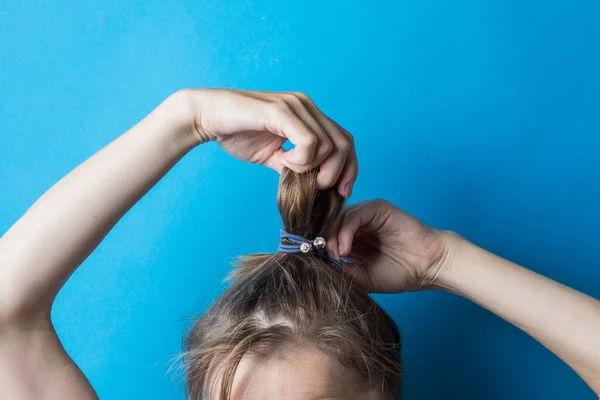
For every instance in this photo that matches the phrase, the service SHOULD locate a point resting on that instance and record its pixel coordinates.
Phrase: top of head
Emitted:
(278, 304)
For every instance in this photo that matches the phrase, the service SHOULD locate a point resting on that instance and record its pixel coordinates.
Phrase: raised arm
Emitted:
(564, 320)
(45, 246)
(395, 252)
(60, 230)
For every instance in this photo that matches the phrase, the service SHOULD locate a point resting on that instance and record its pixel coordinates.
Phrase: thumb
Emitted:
(273, 161)
(353, 219)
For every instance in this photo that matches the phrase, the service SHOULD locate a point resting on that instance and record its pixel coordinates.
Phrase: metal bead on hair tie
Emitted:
(300, 244)
(318, 243)
(306, 247)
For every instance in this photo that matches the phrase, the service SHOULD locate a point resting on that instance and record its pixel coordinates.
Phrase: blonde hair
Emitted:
(281, 299)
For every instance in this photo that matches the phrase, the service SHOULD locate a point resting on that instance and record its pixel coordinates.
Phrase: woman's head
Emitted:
(293, 324)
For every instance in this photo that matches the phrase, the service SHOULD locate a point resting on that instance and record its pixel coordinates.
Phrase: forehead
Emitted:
(301, 374)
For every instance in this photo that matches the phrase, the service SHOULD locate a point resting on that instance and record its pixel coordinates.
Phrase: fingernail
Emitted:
(342, 249)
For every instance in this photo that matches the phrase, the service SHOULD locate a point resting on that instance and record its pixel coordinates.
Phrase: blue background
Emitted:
(478, 116)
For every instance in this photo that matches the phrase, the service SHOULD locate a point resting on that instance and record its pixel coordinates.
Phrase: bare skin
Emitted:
(393, 251)
(301, 373)
(43, 248)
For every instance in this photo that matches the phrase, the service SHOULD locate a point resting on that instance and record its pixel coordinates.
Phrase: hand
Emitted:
(389, 250)
(252, 126)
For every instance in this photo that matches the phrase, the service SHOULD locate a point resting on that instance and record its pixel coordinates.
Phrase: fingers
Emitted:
(244, 122)
(324, 143)
(283, 121)
(351, 267)
(350, 171)
(341, 165)
(319, 142)
(354, 218)
(273, 161)
(331, 169)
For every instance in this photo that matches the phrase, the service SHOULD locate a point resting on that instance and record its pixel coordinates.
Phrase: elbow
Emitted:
(18, 306)
(14, 313)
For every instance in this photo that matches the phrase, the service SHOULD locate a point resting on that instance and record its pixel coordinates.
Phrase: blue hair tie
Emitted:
(304, 245)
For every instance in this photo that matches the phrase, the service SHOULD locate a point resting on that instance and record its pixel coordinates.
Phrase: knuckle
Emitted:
(291, 100)
(303, 97)
(327, 147)
(344, 132)
(280, 106)
(290, 97)
(349, 216)
(349, 137)
(309, 140)
(379, 202)
(344, 146)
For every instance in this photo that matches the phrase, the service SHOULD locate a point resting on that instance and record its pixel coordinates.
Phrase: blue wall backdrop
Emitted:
(478, 116)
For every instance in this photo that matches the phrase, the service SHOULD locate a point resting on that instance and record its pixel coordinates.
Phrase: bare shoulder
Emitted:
(34, 365)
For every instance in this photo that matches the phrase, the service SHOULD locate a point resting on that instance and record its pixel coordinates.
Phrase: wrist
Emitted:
(183, 109)
(444, 272)
(467, 268)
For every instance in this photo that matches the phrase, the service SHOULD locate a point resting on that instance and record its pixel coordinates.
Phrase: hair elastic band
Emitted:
(304, 245)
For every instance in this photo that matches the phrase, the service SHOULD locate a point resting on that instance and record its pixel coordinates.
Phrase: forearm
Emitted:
(61, 229)
(564, 320)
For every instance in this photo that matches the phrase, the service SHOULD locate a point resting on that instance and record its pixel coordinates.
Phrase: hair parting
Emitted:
(277, 301)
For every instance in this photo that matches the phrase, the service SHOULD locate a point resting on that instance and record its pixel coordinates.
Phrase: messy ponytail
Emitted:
(276, 300)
